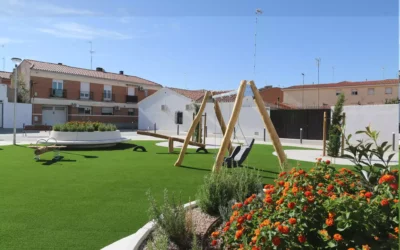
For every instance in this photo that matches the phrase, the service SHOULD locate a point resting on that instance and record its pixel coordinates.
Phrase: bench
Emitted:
(36, 128)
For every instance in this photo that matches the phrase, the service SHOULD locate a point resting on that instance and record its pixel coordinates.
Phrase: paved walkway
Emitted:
(312, 155)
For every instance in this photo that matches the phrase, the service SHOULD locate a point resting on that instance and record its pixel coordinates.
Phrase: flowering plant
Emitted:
(323, 208)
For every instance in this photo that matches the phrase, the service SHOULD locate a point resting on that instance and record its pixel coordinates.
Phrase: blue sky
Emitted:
(209, 44)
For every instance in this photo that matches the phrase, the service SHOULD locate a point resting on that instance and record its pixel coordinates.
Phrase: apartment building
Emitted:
(5, 77)
(356, 93)
(61, 93)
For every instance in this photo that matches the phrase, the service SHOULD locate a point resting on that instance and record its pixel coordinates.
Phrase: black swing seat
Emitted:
(238, 156)
(136, 147)
(202, 149)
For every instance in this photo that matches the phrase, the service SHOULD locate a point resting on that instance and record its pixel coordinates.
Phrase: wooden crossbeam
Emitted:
(200, 145)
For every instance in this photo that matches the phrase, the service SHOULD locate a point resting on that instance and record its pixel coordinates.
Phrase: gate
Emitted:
(288, 123)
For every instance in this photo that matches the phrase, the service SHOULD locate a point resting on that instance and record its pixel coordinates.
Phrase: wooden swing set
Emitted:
(227, 131)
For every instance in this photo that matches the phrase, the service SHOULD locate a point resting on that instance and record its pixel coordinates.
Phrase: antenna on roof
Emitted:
(258, 12)
(91, 51)
(4, 58)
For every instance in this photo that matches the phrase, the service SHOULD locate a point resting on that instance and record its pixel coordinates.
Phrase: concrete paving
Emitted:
(312, 155)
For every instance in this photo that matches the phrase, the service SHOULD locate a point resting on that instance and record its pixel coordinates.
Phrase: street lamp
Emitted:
(302, 97)
(16, 61)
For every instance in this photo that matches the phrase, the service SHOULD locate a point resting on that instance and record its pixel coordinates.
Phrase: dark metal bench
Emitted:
(36, 128)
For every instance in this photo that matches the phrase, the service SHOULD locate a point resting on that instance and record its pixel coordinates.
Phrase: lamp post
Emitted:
(16, 61)
(302, 97)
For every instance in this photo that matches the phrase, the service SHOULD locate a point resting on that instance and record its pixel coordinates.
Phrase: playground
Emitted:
(91, 198)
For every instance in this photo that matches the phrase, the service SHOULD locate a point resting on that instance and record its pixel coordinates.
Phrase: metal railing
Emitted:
(86, 95)
(108, 98)
(131, 99)
(60, 93)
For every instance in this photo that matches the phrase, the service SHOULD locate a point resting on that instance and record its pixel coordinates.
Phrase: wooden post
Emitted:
(170, 145)
(205, 128)
(200, 129)
(221, 122)
(269, 125)
(191, 129)
(231, 124)
(324, 136)
(343, 124)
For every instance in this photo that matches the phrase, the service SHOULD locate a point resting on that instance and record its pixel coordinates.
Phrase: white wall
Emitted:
(150, 111)
(23, 111)
(249, 120)
(383, 118)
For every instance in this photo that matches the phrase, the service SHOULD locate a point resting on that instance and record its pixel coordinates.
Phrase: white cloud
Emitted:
(79, 31)
(6, 40)
(24, 8)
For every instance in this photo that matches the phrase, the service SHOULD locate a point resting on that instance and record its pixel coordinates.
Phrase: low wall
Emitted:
(383, 118)
(97, 137)
(23, 114)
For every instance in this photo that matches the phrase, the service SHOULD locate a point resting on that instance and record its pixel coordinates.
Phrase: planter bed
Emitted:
(85, 139)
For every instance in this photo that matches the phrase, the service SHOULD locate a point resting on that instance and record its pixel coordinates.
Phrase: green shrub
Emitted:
(159, 240)
(81, 128)
(171, 217)
(96, 126)
(109, 127)
(334, 129)
(72, 127)
(57, 127)
(64, 128)
(89, 128)
(102, 127)
(220, 188)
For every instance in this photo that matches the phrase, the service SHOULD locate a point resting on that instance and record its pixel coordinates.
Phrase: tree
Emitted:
(334, 130)
(392, 101)
(22, 92)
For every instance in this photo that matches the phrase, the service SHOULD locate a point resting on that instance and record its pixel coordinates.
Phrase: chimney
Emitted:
(100, 69)
(121, 72)
(59, 63)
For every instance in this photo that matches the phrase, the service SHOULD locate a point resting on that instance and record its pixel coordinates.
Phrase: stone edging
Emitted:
(133, 242)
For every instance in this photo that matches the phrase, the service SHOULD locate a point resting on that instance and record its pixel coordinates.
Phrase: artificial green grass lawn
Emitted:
(92, 198)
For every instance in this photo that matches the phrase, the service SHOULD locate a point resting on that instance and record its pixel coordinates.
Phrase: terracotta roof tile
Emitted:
(345, 84)
(5, 75)
(191, 94)
(64, 69)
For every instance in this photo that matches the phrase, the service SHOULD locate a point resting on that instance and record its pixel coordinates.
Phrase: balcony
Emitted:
(108, 97)
(131, 99)
(86, 95)
(60, 93)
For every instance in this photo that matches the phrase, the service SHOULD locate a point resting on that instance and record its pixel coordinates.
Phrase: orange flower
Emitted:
(327, 162)
(238, 234)
(276, 241)
(365, 247)
(305, 208)
(351, 248)
(283, 229)
(320, 184)
(337, 237)
(295, 190)
(394, 186)
(331, 215)
(291, 205)
(368, 195)
(387, 178)
(249, 216)
(376, 237)
(213, 243)
(277, 224)
(320, 191)
(301, 238)
(282, 174)
(301, 171)
(330, 187)
(384, 202)
(327, 176)
(396, 229)
(395, 200)
(307, 193)
(281, 183)
(329, 222)
(215, 234)
(265, 223)
(257, 232)
(225, 229)
(280, 201)
(292, 221)
(311, 199)
(333, 197)
(254, 239)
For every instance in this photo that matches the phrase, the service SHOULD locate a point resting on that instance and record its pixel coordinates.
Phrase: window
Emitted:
(131, 112)
(338, 92)
(85, 110)
(107, 93)
(371, 91)
(57, 88)
(354, 92)
(145, 93)
(131, 91)
(85, 90)
(388, 91)
(107, 111)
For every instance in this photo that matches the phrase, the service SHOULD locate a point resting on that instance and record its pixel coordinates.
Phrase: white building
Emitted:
(23, 111)
(160, 109)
